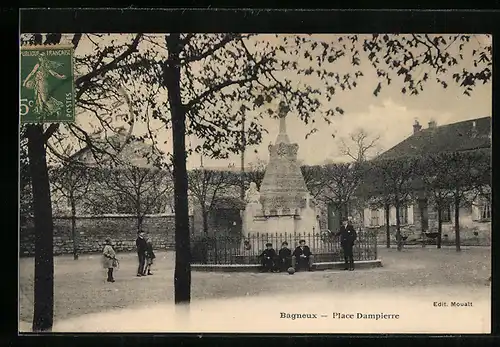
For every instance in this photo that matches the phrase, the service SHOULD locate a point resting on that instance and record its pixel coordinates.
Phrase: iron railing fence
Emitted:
(224, 249)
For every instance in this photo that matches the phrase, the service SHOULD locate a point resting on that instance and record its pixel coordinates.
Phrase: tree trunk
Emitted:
(205, 220)
(44, 230)
(140, 219)
(243, 147)
(457, 222)
(172, 78)
(387, 210)
(340, 213)
(73, 227)
(399, 239)
(345, 210)
(440, 226)
(138, 211)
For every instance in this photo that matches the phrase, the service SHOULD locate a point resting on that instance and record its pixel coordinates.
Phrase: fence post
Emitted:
(313, 243)
(255, 240)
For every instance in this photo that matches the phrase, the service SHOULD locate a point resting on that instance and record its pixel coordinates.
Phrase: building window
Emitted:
(485, 208)
(374, 217)
(446, 214)
(403, 215)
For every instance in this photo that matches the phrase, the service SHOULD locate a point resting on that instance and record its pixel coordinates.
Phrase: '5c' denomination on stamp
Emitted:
(47, 84)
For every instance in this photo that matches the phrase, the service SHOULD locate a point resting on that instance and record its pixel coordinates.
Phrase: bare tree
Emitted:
(455, 177)
(206, 185)
(359, 146)
(72, 181)
(391, 182)
(339, 185)
(137, 190)
(315, 177)
(255, 173)
(137, 180)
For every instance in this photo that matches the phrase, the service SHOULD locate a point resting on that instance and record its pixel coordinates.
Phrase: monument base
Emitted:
(316, 266)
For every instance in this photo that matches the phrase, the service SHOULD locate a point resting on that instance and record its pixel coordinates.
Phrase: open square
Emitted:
(81, 287)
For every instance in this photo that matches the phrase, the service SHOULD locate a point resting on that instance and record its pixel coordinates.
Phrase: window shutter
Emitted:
(392, 215)
(410, 214)
(366, 217)
(475, 211)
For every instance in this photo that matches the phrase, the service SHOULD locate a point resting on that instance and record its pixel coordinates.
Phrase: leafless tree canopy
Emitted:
(360, 146)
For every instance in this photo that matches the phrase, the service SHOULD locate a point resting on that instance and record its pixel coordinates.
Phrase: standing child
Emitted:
(149, 256)
(109, 259)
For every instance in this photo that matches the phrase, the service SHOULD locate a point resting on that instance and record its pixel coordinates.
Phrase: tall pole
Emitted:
(242, 154)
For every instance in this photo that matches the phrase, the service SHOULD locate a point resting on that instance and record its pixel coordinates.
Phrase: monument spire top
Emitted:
(283, 124)
(282, 113)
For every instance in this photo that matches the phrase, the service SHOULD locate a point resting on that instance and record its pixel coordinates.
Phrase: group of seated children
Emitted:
(285, 259)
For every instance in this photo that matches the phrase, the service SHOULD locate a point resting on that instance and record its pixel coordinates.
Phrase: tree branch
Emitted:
(216, 89)
(80, 82)
(212, 50)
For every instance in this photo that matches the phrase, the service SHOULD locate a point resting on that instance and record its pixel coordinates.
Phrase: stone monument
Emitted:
(283, 205)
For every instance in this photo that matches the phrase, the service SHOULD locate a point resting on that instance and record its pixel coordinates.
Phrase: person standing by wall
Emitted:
(141, 245)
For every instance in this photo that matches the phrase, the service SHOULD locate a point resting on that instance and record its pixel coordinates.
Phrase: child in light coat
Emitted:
(109, 260)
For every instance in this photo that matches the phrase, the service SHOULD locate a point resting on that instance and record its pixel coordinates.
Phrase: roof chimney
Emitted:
(432, 124)
(416, 126)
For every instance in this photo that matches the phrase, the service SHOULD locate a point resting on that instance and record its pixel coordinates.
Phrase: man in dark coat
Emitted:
(141, 245)
(302, 256)
(347, 237)
(268, 257)
(285, 257)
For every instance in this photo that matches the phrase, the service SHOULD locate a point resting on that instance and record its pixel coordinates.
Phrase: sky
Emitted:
(390, 115)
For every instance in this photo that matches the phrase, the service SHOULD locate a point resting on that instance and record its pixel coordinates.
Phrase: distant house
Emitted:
(421, 216)
(133, 153)
(224, 217)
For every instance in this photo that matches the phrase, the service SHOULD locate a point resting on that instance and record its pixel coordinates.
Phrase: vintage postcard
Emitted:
(255, 183)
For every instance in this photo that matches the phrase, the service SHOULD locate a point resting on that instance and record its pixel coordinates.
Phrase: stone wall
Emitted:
(92, 230)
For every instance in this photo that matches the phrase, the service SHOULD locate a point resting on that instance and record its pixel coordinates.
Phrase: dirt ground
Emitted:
(81, 287)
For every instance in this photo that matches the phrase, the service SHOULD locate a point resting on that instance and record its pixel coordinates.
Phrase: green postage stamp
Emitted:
(47, 84)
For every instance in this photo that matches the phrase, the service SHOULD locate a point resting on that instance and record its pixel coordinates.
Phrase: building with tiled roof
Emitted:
(421, 216)
(469, 135)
